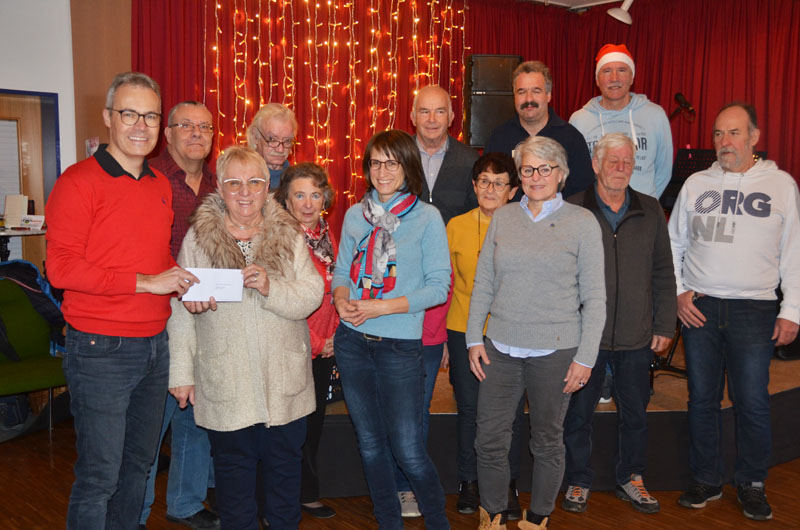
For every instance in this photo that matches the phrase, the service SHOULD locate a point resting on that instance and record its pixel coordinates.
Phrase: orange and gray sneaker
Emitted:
(575, 499)
(635, 493)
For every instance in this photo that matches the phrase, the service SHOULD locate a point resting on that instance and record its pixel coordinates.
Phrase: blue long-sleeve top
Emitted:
(423, 267)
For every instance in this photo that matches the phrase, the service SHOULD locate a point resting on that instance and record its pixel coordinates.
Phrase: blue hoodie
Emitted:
(647, 124)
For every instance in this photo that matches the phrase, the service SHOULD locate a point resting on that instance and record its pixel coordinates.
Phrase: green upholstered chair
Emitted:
(29, 334)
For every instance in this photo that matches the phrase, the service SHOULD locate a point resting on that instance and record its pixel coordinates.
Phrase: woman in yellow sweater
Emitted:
(494, 177)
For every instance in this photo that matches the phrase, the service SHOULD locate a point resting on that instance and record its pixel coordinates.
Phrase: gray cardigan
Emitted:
(542, 282)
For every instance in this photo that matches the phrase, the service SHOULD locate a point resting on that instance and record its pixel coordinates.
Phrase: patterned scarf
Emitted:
(320, 245)
(374, 268)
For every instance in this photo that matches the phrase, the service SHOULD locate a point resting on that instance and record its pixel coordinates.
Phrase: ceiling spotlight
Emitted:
(621, 13)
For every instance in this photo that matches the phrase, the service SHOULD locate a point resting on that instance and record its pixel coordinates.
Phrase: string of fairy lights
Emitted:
(345, 67)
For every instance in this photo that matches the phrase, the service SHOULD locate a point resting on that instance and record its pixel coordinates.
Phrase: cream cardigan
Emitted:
(250, 361)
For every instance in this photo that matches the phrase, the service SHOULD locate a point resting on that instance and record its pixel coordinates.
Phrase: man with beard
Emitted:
(533, 88)
(735, 235)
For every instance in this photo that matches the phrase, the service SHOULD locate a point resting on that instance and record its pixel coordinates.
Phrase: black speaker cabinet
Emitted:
(484, 113)
(488, 95)
(490, 73)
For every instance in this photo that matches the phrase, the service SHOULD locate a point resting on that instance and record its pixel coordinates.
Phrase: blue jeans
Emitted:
(190, 467)
(631, 391)
(735, 337)
(383, 386)
(236, 457)
(117, 388)
(431, 360)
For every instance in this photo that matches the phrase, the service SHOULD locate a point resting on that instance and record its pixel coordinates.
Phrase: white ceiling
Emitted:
(575, 4)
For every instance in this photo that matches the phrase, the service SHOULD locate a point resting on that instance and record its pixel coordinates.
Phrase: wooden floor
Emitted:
(36, 475)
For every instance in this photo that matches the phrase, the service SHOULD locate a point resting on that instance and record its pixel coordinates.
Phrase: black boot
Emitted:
(513, 511)
(467, 497)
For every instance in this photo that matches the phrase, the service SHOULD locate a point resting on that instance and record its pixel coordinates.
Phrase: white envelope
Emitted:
(225, 285)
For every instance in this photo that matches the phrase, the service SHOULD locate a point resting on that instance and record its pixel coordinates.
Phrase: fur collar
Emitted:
(273, 244)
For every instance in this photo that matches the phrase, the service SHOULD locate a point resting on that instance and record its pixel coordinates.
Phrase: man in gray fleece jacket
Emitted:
(640, 317)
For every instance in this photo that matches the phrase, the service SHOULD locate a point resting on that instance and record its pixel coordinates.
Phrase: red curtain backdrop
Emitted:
(713, 51)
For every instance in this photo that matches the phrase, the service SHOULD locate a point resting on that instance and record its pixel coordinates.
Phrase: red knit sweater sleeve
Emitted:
(70, 216)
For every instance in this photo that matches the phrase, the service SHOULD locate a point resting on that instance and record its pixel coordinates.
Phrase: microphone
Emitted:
(683, 102)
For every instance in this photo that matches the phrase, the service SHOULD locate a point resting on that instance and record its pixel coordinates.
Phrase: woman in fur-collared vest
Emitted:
(246, 366)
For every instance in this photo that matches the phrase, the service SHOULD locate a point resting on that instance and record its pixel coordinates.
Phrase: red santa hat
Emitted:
(614, 53)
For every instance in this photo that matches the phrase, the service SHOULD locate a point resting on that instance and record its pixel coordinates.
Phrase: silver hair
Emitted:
(266, 113)
(546, 149)
(611, 141)
(534, 67)
(186, 103)
(134, 79)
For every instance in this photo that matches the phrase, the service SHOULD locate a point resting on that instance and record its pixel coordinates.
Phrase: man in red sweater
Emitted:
(109, 225)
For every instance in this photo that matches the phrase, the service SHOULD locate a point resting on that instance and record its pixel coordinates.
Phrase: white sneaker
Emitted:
(408, 504)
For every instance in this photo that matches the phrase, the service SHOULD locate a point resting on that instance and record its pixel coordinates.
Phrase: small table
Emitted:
(8, 233)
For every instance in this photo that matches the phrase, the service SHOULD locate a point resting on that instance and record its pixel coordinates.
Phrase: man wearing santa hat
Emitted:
(618, 110)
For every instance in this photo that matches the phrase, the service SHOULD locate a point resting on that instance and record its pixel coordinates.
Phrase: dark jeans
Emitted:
(735, 337)
(465, 386)
(431, 361)
(236, 457)
(631, 391)
(117, 388)
(321, 368)
(383, 386)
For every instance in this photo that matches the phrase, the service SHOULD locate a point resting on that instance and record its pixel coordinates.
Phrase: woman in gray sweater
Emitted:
(540, 277)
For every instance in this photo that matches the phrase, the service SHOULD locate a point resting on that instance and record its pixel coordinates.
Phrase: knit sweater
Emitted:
(542, 282)
(104, 227)
(423, 267)
(465, 235)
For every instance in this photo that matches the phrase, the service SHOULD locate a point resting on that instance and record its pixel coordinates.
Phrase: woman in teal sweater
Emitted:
(393, 263)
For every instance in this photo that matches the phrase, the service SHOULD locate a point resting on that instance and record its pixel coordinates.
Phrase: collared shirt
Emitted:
(548, 207)
(184, 200)
(611, 216)
(431, 164)
(113, 168)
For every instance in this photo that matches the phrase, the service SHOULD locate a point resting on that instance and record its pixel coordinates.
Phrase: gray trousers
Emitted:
(506, 379)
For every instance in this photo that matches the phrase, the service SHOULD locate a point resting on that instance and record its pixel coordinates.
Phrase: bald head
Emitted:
(432, 114)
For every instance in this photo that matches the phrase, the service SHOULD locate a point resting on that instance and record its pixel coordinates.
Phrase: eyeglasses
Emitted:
(498, 185)
(187, 126)
(131, 117)
(255, 185)
(391, 165)
(274, 142)
(544, 170)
